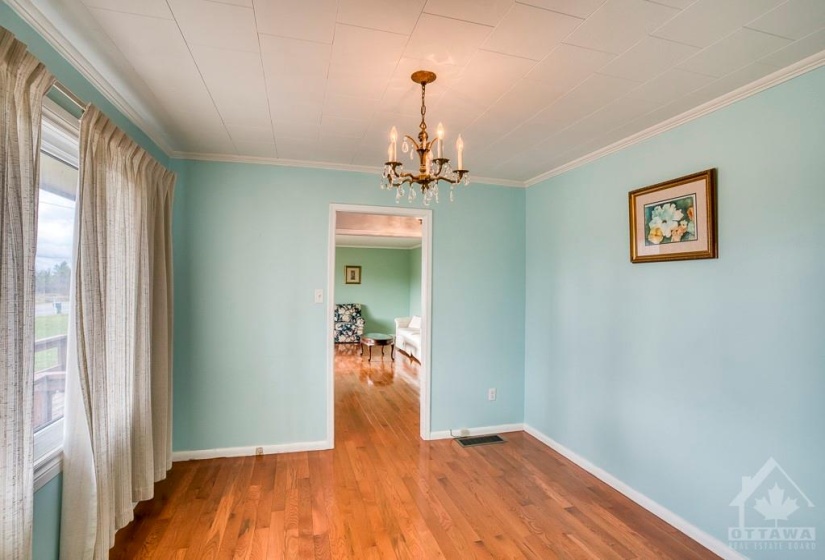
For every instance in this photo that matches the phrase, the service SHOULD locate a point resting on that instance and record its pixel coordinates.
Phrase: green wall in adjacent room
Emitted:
(415, 281)
(680, 378)
(384, 291)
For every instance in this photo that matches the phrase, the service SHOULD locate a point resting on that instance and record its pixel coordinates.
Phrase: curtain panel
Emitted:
(118, 422)
(23, 83)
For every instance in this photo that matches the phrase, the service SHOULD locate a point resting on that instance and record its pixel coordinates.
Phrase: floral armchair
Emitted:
(348, 324)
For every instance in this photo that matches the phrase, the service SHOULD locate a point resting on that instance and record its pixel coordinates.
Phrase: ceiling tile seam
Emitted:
(203, 80)
(551, 10)
(791, 39)
(128, 13)
(368, 28)
(266, 86)
(491, 27)
(776, 78)
(54, 37)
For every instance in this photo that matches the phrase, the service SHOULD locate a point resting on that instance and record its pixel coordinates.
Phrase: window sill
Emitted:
(47, 468)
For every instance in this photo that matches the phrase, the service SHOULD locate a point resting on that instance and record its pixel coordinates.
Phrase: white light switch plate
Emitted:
(319, 296)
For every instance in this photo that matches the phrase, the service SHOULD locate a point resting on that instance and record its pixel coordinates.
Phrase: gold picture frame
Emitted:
(674, 220)
(352, 274)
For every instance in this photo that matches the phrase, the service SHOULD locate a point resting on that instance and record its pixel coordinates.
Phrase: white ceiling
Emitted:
(531, 85)
(356, 229)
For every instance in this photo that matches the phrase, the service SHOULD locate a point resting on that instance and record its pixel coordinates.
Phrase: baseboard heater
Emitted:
(472, 441)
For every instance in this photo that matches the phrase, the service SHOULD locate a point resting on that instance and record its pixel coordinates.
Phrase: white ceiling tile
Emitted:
(728, 83)
(681, 4)
(619, 24)
(794, 19)
(734, 52)
(530, 32)
(337, 126)
(175, 81)
(475, 84)
(445, 41)
(236, 82)
(369, 86)
(396, 16)
(152, 8)
(257, 149)
(485, 12)
(215, 24)
(707, 21)
(796, 51)
(524, 100)
(590, 96)
(313, 21)
(358, 51)
(137, 35)
(568, 66)
(350, 107)
(286, 59)
(249, 134)
(578, 8)
(288, 107)
(296, 129)
(671, 85)
(648, 58)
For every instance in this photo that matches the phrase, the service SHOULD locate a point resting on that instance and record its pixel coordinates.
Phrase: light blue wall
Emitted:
(415, 281)
(46, 537)
(384, 290)
(251, 367)
(680, 378)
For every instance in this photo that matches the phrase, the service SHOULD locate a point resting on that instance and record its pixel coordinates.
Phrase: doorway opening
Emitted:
(362, 227)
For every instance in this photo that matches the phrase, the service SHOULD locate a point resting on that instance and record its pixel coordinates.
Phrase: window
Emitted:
(53, 269)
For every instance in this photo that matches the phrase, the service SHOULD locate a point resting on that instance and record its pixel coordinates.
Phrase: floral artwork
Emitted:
(674, 220)
(671, 221)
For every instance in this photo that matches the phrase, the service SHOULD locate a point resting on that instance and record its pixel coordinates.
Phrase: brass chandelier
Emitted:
(431, 169)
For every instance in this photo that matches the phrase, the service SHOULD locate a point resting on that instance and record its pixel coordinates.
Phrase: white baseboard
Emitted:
(481, 431)
(708, 541)
(248, 451)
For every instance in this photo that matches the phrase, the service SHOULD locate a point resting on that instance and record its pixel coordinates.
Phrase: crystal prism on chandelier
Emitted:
(431, 170)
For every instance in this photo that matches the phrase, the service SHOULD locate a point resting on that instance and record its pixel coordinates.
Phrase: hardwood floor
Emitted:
(382, 493)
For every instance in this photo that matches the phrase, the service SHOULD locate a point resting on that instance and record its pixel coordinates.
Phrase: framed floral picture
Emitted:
(352, 274)
(674, 220)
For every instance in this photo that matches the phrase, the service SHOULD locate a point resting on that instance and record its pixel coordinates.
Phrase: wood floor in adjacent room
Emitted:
(383, 493)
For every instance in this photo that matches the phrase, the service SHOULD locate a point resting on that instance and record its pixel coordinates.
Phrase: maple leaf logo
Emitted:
(777, 506)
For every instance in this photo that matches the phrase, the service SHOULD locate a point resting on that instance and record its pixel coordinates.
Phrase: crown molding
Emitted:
(34, 16)
(371, 169)
(783, 75)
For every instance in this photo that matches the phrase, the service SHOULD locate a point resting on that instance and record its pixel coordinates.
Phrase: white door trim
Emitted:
(426, 307)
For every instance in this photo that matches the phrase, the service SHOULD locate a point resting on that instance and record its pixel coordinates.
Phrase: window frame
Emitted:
(60, 138)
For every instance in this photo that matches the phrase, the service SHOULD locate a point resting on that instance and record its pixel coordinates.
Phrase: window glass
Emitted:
(53, 268)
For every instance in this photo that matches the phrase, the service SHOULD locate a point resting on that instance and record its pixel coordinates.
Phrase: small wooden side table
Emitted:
(378, 339)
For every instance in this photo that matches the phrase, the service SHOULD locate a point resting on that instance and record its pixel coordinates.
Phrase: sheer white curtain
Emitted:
(23, 82)
(118, 423)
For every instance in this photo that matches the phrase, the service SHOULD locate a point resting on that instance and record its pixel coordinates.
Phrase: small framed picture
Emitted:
(674, 220)
(352, 274)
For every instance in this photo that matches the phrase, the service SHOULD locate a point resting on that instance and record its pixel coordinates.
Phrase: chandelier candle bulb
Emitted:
(440, 133)
(459, 147)
(393, 143)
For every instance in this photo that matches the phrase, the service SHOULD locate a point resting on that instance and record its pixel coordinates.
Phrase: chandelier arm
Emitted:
(413, 140)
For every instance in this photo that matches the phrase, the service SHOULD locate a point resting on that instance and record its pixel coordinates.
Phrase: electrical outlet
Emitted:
(259, 451)
(491, 394)
(319, 296)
